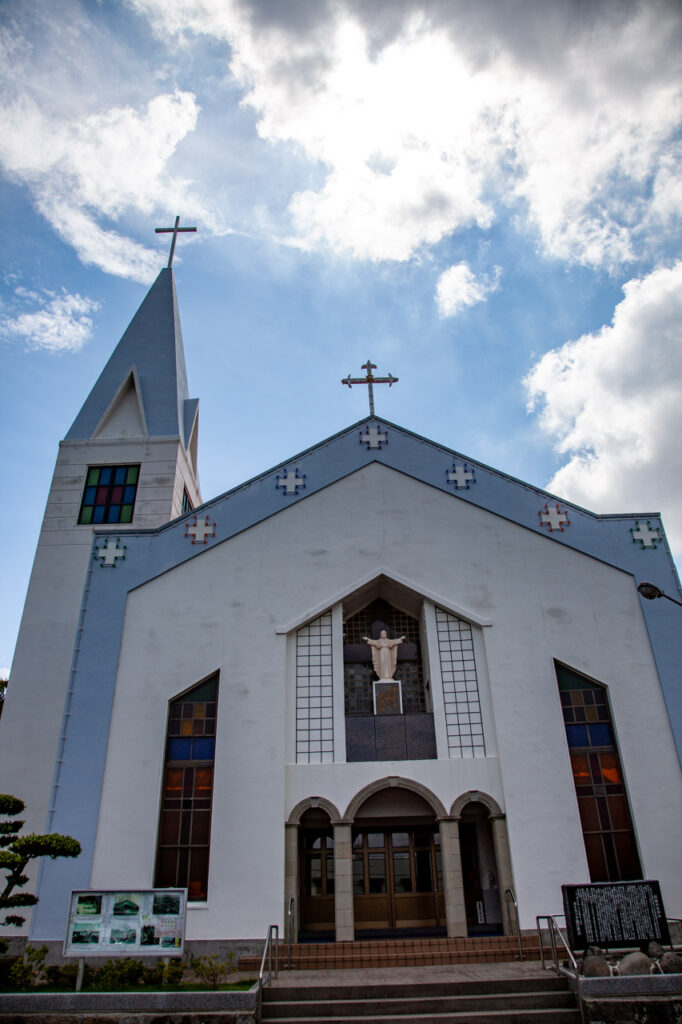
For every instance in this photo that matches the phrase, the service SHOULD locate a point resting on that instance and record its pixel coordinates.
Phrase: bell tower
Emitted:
(128, 461)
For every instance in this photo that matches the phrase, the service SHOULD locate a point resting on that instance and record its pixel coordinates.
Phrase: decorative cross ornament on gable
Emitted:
(370, 380)
(175, 229)
(291, 481)
(643, 534)
(200, 530)
(460, 476)
(110, 553)
(373, 437)
(553, 517)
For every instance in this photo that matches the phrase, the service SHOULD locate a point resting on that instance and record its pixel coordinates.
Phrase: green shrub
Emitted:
(212, 970)
(174, 972)
(117, 974)
(63, 975)
(29, 970)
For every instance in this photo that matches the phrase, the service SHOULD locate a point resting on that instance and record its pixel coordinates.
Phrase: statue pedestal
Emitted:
(388, 697)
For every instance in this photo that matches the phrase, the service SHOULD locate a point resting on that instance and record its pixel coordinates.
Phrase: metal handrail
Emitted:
(290, 930)
(273, 931)
(554, 930)
(510, 898)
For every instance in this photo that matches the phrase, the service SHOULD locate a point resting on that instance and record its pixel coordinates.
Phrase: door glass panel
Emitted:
(314, 876)
(330, 874)
(402, 875)
(400, 839)
(377, 872)
(439, 871)
(375, 839)
(358, 874)
(422, 870)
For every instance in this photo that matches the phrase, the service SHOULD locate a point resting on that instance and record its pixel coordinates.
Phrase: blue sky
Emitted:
(483, 199)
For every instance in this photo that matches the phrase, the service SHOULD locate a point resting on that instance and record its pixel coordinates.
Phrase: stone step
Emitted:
(422, 989)
(505, 1016)
(417, 1006)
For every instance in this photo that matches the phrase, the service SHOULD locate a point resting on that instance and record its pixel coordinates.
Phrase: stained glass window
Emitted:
(185, 826)
(602, 801)
(109, 495)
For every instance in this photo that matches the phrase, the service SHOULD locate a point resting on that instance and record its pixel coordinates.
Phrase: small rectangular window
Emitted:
(187, 505)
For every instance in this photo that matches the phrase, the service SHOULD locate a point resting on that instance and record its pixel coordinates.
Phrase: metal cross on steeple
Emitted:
(175, 229)
(370, 380)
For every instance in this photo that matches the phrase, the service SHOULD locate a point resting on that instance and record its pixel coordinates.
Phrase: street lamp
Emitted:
(650, 591)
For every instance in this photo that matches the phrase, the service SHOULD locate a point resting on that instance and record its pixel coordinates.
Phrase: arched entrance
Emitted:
(317, 874)
(397, 868)
(480, 875)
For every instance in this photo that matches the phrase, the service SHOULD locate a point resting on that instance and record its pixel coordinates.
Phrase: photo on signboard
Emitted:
(166, 903)
(126, 904)
(89, 905)
(85, 934)
(148, 936)
(122, 935)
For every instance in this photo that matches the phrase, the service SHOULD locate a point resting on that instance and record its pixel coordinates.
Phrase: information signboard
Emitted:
(108, 922)
(614, 914)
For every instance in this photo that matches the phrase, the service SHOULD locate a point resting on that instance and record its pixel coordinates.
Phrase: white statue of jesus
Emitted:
(384, 654)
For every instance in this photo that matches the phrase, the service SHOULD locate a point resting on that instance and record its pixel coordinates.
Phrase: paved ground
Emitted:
(442, 972)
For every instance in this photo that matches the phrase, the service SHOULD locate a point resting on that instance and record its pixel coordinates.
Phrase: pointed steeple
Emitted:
(142, 390)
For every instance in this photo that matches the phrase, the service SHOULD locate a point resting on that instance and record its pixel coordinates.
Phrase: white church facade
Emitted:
(194, 698)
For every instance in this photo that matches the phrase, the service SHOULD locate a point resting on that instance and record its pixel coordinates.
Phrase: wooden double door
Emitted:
(397, 879)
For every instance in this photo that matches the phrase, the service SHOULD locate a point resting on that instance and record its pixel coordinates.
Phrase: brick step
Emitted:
(354, 955)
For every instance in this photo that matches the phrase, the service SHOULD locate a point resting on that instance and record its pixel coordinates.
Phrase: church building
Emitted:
(383, 680)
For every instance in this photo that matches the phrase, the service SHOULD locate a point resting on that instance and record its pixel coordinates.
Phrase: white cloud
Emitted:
(458, 288)
(63, 324)
(425, 117)
(86, 170)
(100, 166)
(613, 403)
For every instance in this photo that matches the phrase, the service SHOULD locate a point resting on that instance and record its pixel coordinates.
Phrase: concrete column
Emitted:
(503, 859)
(453, 883)
(343, 883)
(291, 876)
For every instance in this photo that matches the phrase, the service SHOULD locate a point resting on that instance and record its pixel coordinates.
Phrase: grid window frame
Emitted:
(314, 692)
(461, 698)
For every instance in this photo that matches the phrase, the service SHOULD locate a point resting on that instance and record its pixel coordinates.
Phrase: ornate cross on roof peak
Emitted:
(370, 380)
(175, 229)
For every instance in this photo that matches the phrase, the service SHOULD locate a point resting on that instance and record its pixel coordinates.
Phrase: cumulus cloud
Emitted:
(425, 117)
(99, 166)
(611, 401)
(87, 163)
(458, 288)
(62, 324)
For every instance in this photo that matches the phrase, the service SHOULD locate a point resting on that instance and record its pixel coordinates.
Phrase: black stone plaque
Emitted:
(614, 914)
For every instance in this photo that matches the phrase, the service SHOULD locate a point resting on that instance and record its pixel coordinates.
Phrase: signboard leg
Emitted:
(79, 976)
(166, 965)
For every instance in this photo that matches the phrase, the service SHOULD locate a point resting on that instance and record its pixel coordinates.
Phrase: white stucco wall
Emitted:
(34, 708)
(222, 610)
